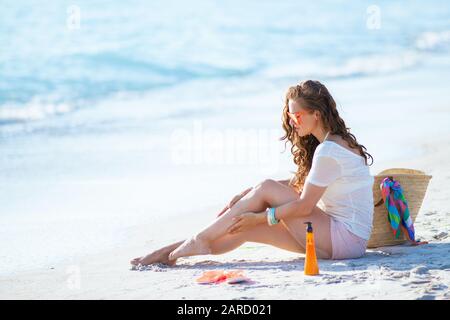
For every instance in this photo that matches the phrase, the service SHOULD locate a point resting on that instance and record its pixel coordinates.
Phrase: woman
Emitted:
(332, 172)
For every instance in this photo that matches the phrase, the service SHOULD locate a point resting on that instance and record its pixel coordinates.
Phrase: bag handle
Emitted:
(380, 202)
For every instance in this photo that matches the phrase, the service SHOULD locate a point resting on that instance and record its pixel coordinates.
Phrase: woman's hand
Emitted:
(235, 199)
(245, 221)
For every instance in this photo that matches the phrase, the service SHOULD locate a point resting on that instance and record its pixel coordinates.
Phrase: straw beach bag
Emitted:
(414, 184)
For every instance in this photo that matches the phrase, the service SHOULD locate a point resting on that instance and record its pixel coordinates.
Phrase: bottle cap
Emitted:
(309, 229)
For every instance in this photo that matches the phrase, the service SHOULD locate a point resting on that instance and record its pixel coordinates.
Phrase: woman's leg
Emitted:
(250, 202)
(254, 201)
(292, 239)
(268, 193)
(158, 256)
(276, 236)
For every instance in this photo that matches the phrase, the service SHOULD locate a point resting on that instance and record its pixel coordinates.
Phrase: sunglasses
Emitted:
(296, 116)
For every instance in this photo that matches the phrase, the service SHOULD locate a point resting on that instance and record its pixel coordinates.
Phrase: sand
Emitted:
(400, 272)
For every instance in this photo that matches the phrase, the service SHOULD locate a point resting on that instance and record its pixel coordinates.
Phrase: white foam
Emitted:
(433, 40)
(357, 66)
(34, 110)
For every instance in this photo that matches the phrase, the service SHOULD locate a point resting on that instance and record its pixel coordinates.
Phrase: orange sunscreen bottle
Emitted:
(311, 265)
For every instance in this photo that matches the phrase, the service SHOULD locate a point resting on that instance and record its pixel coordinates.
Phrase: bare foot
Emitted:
(191, 247)
(158, 256)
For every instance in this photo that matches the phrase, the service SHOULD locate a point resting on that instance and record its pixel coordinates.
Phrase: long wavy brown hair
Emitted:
(314, 96)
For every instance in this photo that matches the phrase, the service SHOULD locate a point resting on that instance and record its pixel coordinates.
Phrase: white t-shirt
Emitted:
(349, 196)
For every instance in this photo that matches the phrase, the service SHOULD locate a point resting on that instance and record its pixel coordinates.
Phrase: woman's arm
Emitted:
(301, 207)
(304, 205)
(234, 200)
(324, 171)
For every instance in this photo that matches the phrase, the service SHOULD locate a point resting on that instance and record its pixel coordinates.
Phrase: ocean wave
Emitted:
(34, 110)
(89, 78)
(433, 40)
(39, 109)
(353, 67)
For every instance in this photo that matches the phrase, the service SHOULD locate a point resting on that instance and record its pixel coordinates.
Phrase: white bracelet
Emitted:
(269, 221)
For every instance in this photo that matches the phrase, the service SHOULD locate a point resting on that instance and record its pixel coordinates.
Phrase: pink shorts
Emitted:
(345, 244)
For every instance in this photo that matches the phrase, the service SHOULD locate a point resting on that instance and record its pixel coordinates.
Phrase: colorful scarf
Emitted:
(398, 211)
